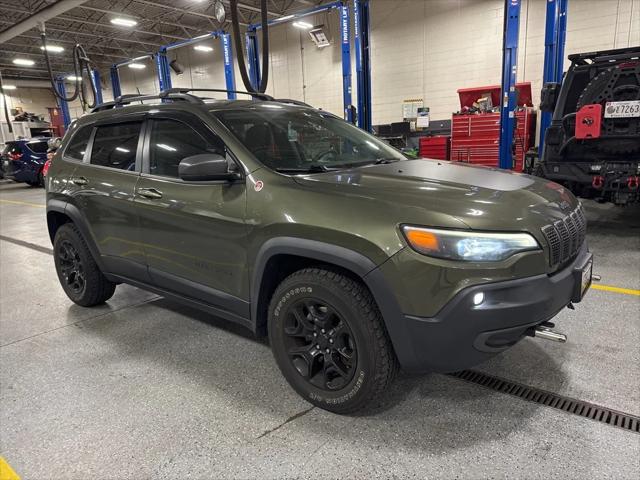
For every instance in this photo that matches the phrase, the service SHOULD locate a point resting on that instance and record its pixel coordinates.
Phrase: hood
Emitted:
(438, 193)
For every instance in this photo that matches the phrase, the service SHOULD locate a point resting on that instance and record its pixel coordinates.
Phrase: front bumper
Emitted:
(463, 334)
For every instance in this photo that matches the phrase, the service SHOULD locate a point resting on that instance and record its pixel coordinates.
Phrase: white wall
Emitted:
(419, 49)
(430, 48)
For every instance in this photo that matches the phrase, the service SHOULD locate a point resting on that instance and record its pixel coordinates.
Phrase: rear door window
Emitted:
(115, 146)
(78, 144)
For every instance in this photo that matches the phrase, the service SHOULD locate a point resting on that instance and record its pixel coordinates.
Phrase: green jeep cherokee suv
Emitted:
(353, 259)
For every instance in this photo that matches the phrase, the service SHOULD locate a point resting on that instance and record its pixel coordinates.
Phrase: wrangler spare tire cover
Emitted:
(615, 84)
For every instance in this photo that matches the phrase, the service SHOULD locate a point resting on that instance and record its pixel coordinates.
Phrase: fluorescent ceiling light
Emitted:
(9, 87)
(137, 66)
(71, 78)
(203, 48)
(53, 48)
(303, 25)
(282, 19)
(24, 62)
(124, 22)
(123, 150)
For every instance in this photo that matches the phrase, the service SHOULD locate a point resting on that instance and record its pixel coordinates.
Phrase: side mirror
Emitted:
(549, 96)
(205, 167)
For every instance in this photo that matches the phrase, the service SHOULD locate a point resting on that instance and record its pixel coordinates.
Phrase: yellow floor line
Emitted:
(608, 288)
(6, 472)
(27, 204)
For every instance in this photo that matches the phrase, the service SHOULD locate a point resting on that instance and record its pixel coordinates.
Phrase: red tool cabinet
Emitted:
(475, 137)
(434, 147)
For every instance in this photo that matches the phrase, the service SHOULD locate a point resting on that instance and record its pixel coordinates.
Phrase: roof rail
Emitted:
(261, 96)
(132, 98)
(292, 102)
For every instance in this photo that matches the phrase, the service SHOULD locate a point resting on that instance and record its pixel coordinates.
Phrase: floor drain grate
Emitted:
(588, 410)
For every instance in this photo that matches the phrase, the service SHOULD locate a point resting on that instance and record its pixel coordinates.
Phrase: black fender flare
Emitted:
(71, 211)
(350, 260)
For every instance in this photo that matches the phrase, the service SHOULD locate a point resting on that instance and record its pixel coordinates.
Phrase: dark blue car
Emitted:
(22, 160)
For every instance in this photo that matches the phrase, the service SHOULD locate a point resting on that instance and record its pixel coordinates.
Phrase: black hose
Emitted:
(240, 51)
(81, 65)
(265, 46)
(6, 107)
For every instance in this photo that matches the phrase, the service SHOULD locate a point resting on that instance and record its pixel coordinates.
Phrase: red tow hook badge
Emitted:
(597, 182)
(632, 183)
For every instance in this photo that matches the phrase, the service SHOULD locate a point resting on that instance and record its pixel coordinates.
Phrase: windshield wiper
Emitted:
(313, 168)
(381, 161)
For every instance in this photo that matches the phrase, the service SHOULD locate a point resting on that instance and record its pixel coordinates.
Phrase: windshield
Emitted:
(294, 140)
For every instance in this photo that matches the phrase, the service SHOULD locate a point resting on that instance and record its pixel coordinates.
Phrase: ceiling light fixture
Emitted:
(203, 48)
(124, 22)
(137, 66)
(24, 62)
(303, 25)
(9, 87)
(53, 48)
(71, 78)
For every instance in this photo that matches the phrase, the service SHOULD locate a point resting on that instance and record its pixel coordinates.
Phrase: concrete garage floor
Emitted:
(142, 387)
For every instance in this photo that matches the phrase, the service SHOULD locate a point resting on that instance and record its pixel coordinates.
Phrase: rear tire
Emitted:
(329, 340)
(79, 275)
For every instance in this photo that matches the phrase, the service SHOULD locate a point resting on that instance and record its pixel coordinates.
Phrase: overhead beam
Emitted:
(53, 10)
(73, 42)
(108, 25)
(94, 35)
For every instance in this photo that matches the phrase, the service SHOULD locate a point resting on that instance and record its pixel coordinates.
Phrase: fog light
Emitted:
(478, 298)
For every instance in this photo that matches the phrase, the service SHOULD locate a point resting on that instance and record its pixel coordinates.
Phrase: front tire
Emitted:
(79, 275)
(329, 340)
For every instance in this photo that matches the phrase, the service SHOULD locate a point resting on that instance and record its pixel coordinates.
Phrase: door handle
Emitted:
(80, 180)
(149, 193)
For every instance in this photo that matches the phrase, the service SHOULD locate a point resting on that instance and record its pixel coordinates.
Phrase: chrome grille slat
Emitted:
(565, 237)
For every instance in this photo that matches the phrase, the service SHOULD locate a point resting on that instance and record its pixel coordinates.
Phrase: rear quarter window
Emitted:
(78, 144)
(38, 147)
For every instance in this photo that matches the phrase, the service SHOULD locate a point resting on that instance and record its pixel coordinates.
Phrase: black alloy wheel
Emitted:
(71, 267)
(320, 344)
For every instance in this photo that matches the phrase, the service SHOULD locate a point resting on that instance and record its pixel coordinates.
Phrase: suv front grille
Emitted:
(566, 236)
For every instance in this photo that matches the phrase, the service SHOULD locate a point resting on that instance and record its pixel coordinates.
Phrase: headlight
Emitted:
(468, 245)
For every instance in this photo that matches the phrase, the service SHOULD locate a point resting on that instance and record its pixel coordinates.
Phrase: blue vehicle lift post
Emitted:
(509, 95)
(64, 106)
(97, 85)
(554, 39)
(252, 47)
(164, 72)
(115, 76)
(363, 63)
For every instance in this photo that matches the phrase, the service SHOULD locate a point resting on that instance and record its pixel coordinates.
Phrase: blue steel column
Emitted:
(363, 62)
(115, 82)
(346, 62)
(64, 106)
(509, 94)
(162, 67)
(229, 75)
(253, 59)
(554, 39)
(95, 79)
